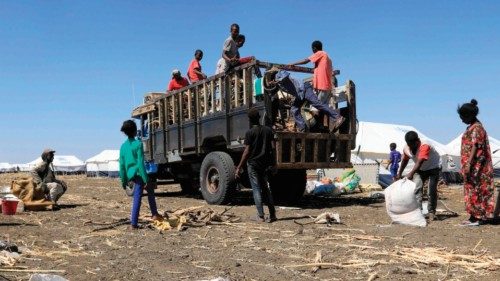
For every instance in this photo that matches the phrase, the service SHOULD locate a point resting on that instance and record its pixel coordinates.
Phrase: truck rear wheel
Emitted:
(217, 177)
(288, 186)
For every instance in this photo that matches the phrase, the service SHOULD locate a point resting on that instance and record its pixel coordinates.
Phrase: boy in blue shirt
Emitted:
(394, 159)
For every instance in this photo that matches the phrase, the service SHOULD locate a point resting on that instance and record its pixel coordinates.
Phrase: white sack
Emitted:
(402, 205)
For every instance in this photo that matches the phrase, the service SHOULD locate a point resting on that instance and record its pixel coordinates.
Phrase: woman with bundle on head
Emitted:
(477, 167)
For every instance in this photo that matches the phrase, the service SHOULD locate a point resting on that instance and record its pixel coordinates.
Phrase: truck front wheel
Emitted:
(288, 186)
(217, 178)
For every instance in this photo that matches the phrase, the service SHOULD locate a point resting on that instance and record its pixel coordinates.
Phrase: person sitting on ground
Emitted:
(427, 167)
(394, 159)
(45, 179)
(177, 81)
(194, 71)
(259, 155)
(133, 171)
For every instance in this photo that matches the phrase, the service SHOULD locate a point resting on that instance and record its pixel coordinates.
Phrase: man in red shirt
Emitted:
(177, 81)
(323, 73)
(427, 166)
(194, 71)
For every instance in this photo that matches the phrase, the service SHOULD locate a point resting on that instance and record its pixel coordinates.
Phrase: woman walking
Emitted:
(477, 167)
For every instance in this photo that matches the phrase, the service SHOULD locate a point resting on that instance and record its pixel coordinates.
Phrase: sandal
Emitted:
(470, 223)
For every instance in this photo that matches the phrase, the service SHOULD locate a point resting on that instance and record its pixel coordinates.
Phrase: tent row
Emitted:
(104, 164)
(373, 139)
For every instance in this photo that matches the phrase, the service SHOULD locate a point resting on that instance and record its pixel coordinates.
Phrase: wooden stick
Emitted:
(33, 270)
(329, 264)
(182, 211)
(481, 240)
(316, 260)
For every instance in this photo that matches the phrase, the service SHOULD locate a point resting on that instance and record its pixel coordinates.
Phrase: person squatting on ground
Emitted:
(260, 159)
(133, 171)
(194, 70)
(304, 92)
(477, 167)
(427, 166)
(45, 179)
(394, 159)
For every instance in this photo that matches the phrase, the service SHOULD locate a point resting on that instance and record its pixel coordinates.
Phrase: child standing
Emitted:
(132, 169)
(394, 159)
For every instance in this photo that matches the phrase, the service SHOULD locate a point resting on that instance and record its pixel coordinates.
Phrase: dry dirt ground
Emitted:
(364, 247)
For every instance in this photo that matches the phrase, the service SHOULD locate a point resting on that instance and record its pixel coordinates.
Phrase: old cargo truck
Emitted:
(196, 134)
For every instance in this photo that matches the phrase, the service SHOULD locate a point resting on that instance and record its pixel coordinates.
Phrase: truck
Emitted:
(195, 135)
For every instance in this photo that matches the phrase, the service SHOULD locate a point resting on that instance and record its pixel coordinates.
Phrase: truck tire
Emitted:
(288, 186)
(217, 178)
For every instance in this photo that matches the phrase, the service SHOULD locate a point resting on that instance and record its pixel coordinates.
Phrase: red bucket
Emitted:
(9, 207)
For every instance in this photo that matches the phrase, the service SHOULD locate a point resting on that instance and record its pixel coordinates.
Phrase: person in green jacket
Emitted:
(132, 169)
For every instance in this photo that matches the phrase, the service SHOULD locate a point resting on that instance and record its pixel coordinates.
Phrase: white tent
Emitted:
(22, 167)
(63, 163)
(6, 167)
(373, 139)
(454, 146)
(104, 164)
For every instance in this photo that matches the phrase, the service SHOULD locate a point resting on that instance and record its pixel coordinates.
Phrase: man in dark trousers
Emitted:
(260, 155)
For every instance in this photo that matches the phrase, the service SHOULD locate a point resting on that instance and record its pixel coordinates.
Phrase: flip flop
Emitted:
(470, 223)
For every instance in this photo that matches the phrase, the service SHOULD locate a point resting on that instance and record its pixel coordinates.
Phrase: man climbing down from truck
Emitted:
(304, 92)
(323, 74)
(259, 155)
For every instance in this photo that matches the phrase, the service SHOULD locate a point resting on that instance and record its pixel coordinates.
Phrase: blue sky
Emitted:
(71, 71)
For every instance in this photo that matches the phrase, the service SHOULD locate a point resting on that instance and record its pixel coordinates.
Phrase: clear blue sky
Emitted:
(68, 69)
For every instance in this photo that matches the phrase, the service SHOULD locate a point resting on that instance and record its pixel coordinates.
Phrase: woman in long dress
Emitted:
(477, 167)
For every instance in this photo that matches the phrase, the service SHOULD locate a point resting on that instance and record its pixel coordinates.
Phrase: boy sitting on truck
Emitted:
(260, 155)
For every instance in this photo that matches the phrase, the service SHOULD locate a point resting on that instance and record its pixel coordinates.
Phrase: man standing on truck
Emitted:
(229, 50)
(177, 81)
(323, 73)
(194, 71)
(260, 157)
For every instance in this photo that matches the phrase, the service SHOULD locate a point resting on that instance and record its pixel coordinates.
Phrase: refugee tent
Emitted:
(104, 164)
(22, 167)
(373, 139)
(63, 164)
(6, 167)
(454, 147)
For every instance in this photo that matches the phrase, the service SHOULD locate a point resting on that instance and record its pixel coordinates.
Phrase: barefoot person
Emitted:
(477, 167)
(259, 153)
(132, 169)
